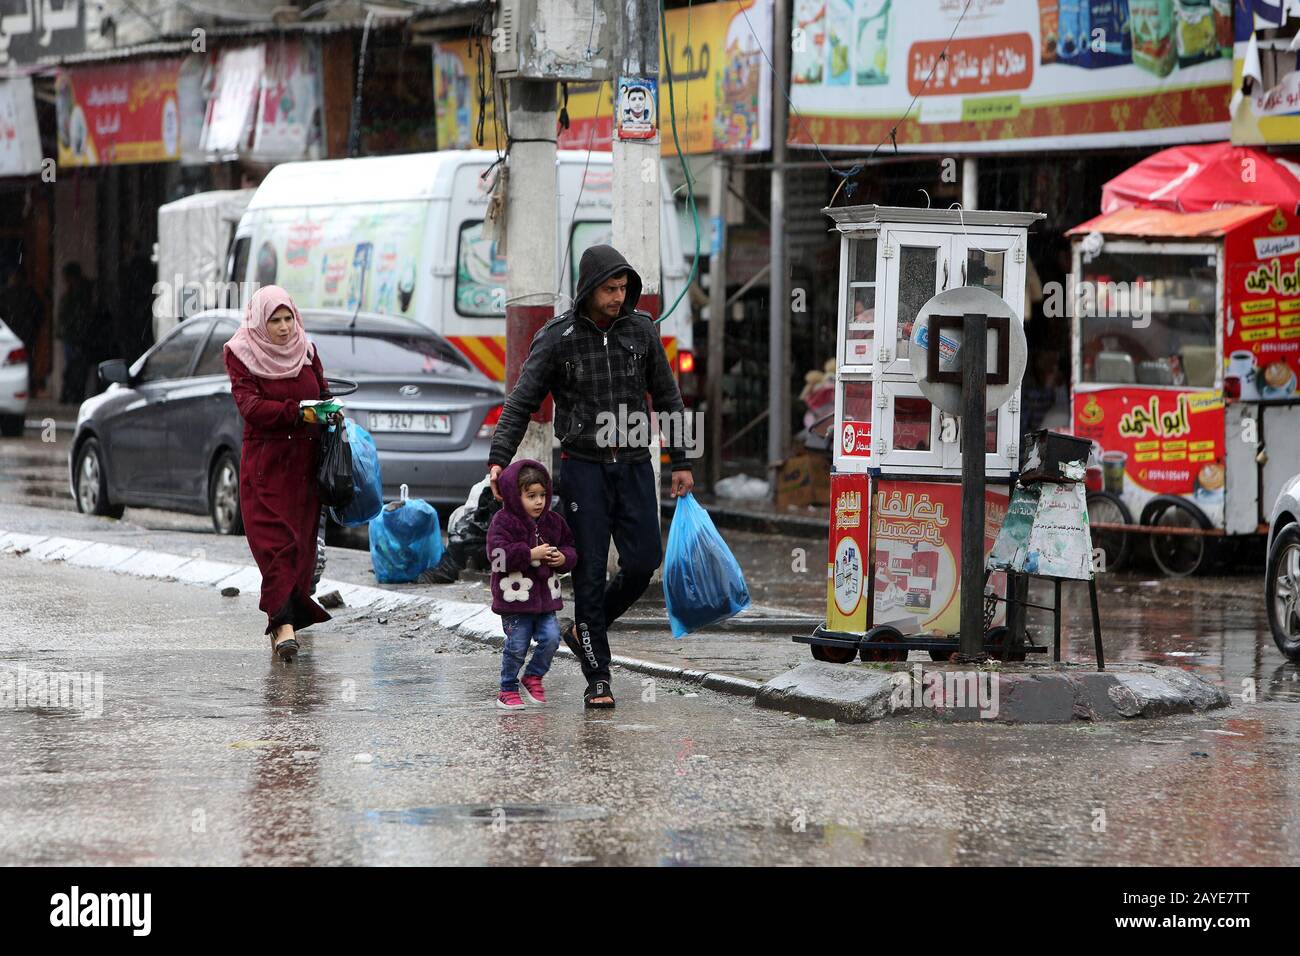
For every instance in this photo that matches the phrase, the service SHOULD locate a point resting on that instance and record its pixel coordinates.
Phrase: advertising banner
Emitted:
(127, 113)
(917, 539)
(722, 84)
(234, 101)
(20, 140)
(1016, 74)
(1270, 114)
(34, 29)
(289, 102)
(1156, 441)
(457, 76)
(1261, 340)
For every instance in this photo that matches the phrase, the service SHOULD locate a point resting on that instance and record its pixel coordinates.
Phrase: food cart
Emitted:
(893, 570)
(1186, 352)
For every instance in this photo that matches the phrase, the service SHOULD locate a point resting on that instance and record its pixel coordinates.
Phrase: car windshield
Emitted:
(374, 353)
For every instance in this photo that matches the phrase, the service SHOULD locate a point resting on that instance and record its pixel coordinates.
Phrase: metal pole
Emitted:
(530, 248)
(778, 420)
(717, 315)
(974, 367)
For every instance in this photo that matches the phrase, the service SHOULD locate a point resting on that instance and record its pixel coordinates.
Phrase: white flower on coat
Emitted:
(515, 587)
(554, 582)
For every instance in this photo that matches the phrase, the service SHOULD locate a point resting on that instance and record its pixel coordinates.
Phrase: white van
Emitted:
(401, 235)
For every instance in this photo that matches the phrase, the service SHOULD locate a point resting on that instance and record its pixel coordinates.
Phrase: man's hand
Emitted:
(683, 483)
(493, 474)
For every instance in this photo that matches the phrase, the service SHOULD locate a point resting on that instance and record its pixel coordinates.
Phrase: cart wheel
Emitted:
(833, 655)
(1107, 508)
(1178, 555)
(889, 634)
(995, 642)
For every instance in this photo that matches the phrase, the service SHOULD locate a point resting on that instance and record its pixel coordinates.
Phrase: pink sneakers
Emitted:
(531, 687)
(509, 700)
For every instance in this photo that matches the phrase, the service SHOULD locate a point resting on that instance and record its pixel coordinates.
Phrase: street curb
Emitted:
(472, 622)
(1031, 694)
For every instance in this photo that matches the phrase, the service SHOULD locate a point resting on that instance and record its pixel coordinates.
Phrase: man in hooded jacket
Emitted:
(598, 360)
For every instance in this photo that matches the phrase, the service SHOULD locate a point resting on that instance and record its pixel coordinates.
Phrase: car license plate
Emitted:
(428, 422)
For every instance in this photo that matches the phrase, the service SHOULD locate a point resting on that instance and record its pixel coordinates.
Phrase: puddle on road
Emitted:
(488, 813)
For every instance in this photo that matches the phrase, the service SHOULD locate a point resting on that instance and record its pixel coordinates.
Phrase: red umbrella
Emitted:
(1204, 177)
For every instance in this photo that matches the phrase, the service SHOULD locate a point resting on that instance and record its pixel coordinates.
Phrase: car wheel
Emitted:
(11, 426)
(91, 482)
(1282, 591)
(223, 496)
(1107, 508)
(1179, 555)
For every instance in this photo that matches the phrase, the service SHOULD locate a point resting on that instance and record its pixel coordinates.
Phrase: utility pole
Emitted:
(531, 213)
(717, 314)
(637, 191)
(778, 419)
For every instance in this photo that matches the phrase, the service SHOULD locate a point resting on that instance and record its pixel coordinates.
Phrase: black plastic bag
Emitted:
(334, 477)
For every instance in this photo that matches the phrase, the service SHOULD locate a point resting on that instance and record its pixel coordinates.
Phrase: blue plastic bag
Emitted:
(703, 583)
(405, 540)
(369, 496)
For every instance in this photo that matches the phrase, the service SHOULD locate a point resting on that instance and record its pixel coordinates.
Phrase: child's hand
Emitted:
(540, 553)
(555, 558)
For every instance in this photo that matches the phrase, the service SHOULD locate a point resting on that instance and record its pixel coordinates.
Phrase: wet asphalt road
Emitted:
(209, 752)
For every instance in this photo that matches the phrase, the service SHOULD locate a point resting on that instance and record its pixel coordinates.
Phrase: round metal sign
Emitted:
(957, 303)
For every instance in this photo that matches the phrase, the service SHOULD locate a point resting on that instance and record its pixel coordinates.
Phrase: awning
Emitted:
(1164, 223)
(1204, 177)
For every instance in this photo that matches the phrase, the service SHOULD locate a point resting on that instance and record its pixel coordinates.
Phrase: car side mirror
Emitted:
(114, 372)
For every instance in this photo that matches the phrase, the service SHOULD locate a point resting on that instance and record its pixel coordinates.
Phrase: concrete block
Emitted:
(816, 689)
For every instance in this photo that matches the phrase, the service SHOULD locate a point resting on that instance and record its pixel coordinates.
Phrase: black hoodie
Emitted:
(598, 377)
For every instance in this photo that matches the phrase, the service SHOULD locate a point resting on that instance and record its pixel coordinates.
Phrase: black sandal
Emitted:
(286, 649)
(598, 689)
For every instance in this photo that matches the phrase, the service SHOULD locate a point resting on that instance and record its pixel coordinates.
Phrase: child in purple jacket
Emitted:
(529, 546)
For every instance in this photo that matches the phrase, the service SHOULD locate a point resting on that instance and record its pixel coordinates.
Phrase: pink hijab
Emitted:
(252, 344)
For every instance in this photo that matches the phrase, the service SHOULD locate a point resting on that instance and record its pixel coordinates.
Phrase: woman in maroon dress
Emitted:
(273, 366)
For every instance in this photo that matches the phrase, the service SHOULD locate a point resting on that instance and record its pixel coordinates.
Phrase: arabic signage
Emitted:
(126, 113)
(721, 83)
(1016, 74)
(1261, 341)
(31, 29)
(1156, 441)
(20, 140)
(457, 77)
(917, 535)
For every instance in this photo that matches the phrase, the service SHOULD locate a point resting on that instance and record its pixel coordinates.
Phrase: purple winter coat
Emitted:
(526, 586)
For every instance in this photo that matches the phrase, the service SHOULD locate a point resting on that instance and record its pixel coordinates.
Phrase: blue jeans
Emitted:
(520, 629)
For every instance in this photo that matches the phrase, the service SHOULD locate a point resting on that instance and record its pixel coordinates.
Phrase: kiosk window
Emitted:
(917, 284)
(912, 424)
(985, 269)
(860, 320)
(1147, 319)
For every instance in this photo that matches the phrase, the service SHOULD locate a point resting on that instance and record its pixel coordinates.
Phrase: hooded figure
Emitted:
(598, 361)
(521, 585)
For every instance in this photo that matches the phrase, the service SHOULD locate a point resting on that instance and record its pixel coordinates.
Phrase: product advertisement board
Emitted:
(917, 546)
(1010, 74)
(1262, 335)
(126, 113)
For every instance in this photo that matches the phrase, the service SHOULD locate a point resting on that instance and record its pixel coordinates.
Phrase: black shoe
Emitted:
(569, 634)
(597, 689)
